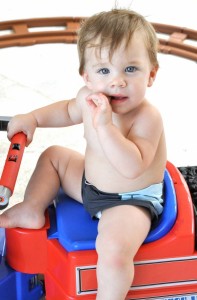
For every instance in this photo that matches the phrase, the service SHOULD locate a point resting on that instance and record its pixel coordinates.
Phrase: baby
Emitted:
(120, 178)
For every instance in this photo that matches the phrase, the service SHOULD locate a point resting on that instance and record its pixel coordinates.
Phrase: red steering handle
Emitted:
(11, 168)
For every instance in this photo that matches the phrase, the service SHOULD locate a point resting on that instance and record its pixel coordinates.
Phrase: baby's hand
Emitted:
(25, 123)
(101, 109)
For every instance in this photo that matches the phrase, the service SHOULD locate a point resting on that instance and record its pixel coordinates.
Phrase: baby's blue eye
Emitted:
(103, 71)
(130, 69)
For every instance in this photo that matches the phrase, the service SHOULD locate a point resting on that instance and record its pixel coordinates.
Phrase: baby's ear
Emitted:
(86, 80)
(152, 75)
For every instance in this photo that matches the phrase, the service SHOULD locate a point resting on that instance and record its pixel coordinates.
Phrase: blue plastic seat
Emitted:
(77, 231)
(169, 214)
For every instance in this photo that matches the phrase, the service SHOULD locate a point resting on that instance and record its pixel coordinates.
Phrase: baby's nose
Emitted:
(118, 81)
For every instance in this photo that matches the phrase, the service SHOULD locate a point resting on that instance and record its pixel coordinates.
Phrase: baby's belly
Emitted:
(106, 178)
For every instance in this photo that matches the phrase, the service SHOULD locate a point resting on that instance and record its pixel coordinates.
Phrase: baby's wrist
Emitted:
(104, 129)
(33, 117)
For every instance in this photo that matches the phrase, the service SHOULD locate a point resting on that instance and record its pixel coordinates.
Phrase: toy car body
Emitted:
(64, 250)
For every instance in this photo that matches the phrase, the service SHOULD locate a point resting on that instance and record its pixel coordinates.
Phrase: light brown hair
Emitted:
(113, 27)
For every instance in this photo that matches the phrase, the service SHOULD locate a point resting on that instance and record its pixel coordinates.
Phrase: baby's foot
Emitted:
(22, 215)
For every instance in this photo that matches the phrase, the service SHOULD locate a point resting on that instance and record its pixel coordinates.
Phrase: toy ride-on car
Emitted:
(64, 249)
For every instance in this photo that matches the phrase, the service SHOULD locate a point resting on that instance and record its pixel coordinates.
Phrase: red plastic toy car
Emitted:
(64, 249)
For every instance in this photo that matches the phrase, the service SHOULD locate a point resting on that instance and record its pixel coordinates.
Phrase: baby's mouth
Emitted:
(117, 98)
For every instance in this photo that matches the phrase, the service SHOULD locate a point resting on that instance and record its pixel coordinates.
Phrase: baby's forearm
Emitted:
(122, 153)
(53, 115)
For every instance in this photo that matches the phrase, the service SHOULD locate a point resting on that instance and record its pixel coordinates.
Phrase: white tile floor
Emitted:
(38, 75)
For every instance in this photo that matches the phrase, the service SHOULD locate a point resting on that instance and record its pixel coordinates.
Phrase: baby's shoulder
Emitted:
(149, 110)
(148, 116)
(82, 94)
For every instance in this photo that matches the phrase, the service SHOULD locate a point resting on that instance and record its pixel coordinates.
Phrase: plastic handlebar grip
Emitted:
(11, 168)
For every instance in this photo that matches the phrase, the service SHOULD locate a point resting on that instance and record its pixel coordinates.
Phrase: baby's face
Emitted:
(123, 78)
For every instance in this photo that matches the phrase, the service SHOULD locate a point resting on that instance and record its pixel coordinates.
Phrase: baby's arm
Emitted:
(132, 153)
(59, 114)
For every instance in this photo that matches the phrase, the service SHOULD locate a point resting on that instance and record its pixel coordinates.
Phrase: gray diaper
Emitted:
(95, 201)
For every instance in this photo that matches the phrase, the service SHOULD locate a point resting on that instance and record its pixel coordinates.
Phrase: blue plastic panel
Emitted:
(75, 228)
(2, 243)
(18, 286)
(169, 214)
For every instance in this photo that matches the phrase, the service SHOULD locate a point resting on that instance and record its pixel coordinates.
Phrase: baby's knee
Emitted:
(50, 152)
(113, 251)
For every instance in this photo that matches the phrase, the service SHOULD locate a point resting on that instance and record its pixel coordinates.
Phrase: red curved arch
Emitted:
(33, 31)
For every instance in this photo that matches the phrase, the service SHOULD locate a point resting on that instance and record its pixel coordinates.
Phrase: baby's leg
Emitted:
(121, 232)
(56, 165)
